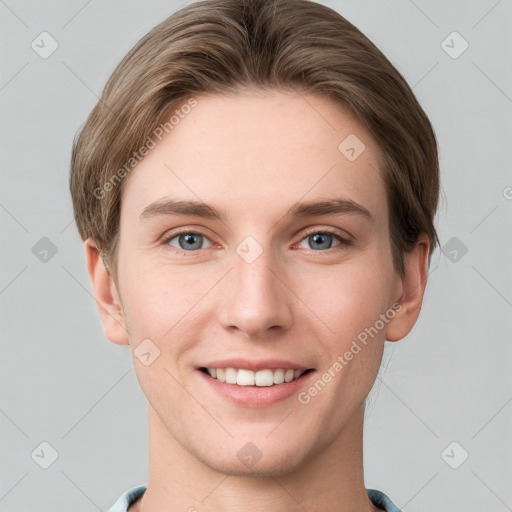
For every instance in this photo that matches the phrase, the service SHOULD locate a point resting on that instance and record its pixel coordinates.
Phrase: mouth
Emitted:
(266, 377)
(254, 384)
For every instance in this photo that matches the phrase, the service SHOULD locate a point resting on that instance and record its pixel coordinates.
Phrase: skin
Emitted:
(253, 155)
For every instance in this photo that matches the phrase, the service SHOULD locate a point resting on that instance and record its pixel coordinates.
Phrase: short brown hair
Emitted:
(222, 46)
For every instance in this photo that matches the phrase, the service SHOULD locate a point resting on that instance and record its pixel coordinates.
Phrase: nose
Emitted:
(257, 298)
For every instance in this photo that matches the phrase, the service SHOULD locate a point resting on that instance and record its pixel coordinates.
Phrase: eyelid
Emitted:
(344, 236)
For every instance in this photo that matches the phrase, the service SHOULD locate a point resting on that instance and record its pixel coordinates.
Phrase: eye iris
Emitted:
(319, 240)
(190, 243)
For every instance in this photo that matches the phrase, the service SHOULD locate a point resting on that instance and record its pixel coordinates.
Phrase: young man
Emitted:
(256, 191)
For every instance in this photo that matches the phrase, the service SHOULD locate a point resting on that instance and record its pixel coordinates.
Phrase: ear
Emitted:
(107, 298)
(411, 289)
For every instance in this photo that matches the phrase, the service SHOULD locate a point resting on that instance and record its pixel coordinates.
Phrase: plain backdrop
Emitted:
(69, 397)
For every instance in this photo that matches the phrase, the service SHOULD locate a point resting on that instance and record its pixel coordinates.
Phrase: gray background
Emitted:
(64, 383)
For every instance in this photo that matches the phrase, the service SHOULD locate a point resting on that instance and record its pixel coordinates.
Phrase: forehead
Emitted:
(255, 148)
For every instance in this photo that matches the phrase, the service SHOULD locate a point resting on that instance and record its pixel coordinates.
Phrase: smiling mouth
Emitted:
(261, 378)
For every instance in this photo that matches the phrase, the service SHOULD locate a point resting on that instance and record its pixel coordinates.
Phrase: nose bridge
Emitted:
(256, 300)
(252, 266)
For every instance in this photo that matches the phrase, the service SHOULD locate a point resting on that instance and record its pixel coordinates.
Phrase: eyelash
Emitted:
(344, 242)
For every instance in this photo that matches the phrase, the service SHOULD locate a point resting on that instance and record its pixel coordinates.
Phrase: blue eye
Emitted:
(192, 241)
(188, 241)
(319, 240)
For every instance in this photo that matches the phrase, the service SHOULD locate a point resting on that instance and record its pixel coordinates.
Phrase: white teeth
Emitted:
(231, 375)
(245, 378)
(278, 376)
(261, 378)
(264, 378)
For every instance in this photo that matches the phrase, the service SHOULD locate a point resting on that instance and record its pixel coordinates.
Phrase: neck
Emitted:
(330, 480)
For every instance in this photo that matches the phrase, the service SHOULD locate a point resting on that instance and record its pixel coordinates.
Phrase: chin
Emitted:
(255, 456)
(266, 467)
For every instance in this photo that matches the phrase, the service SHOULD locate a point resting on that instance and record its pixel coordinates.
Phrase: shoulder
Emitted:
(127, 498)
(381, 500)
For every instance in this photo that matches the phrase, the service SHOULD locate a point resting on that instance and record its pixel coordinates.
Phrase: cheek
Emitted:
(161, 306)
(347, 300)
(161, 300)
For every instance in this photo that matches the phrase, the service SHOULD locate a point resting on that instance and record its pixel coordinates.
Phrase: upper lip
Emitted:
(246, 364)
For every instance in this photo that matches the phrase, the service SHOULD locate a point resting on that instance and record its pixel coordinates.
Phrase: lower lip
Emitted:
(256, 396)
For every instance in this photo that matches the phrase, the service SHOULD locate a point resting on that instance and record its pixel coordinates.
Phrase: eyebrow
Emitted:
(205, 210)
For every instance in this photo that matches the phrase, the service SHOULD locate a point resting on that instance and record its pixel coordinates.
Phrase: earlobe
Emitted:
(413, 284)
(105, 293)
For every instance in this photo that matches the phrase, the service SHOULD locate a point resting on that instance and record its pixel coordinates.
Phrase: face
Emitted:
(260, 280)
